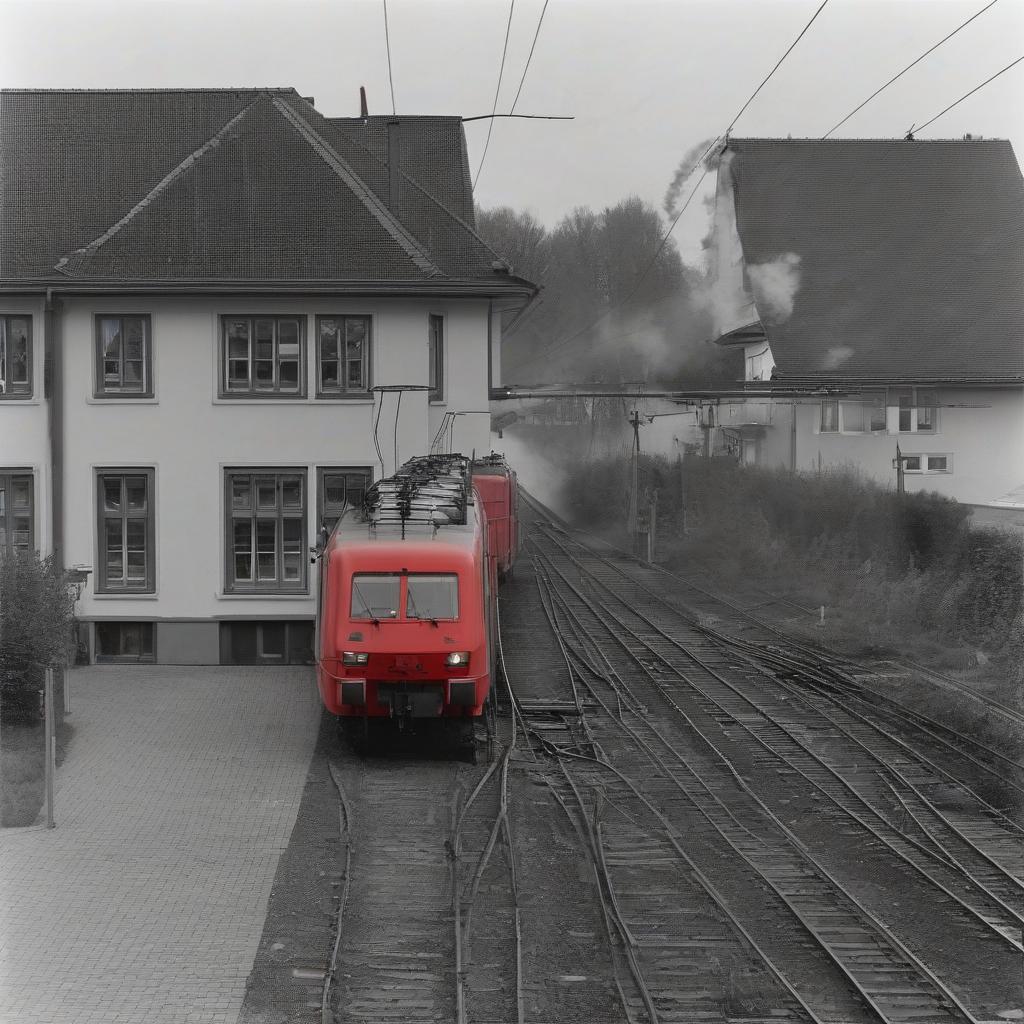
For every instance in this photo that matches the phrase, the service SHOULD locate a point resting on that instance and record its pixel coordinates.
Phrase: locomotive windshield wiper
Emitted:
(413, 612)
(366, 604)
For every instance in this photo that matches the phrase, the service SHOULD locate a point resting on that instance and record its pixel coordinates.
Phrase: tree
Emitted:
(615, 302)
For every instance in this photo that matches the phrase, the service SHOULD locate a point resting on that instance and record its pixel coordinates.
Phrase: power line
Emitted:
(965, 95)
(776, 68)
(540, 21)
(636, 286)
(387, 40)
(501, 71)
(908, 67)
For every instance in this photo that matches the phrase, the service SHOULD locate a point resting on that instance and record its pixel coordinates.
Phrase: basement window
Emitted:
(124, 641)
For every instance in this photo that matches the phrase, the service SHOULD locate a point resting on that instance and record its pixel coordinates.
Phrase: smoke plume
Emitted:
(694, 157)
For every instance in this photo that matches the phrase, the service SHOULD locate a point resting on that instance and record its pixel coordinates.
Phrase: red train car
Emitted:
(406, 617)
(499, 489)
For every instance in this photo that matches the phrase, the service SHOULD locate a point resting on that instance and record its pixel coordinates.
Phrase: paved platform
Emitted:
(147, 901)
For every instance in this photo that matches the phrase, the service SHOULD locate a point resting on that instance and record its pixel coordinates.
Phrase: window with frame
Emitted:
(126, 531)
(124, 356)
(928, 464)
(266, 531)
(15, 357)
(263, 356)
(917, 410)
(339, 490)
(829, 416)
(436, 357)
(343, 356)
(16, 513)
(864, 416)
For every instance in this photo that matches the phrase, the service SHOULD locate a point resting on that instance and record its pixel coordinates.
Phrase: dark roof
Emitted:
(911, 254)
(222, 185)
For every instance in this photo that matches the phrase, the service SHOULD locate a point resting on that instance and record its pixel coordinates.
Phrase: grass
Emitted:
(22, 774)
(902, 577)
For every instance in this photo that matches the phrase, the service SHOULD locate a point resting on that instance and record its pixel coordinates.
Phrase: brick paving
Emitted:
(177, 797)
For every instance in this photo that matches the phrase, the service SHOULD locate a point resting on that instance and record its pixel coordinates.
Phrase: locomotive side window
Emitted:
(432, 596)
(375, 595)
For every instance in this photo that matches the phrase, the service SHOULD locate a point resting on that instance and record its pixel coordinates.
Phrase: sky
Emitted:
(644, 81)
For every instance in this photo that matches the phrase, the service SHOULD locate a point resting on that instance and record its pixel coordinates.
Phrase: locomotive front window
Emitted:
(432, 596)
(375, 595)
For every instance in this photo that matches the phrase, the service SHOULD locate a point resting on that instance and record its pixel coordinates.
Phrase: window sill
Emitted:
(122, 400)
(264, 595)
(17, 400)
(130, 595)
(250, 399)
(359, 398)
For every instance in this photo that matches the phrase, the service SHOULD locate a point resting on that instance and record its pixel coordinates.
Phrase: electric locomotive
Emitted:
(406, 611)
(499, 489)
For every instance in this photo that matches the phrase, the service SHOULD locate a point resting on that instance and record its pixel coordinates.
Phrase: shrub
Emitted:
(899, 564)
(36, 608)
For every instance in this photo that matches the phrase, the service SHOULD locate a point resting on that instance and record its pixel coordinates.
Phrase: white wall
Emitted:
(980, 429)
(189, 435)
(24, 429)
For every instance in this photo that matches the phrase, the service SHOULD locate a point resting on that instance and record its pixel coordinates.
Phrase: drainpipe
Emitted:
(53, 391)
(490, 341)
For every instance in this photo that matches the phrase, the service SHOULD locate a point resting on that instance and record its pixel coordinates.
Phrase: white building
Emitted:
(221, 315)
(877, 290)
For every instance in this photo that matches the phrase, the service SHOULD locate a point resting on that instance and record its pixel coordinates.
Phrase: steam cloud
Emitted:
(775, 285)
(836, 356)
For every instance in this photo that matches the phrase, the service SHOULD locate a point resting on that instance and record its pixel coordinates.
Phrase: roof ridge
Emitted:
(154, 193)
(412, 181)
(867, 140)
(277, 89)
(391, 224)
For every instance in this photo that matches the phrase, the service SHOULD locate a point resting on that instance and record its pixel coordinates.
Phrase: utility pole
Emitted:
(898, 463)
(51, 745)
(634, 497)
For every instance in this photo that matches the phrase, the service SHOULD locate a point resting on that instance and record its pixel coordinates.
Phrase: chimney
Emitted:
(363, 112)
(394, 168)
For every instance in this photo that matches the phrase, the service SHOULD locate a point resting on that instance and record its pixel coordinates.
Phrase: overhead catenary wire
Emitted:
(664, 241)
(540, 21)
(497, 90)
(764, 81)
(908, 67)
(966, 94)
(387, 43)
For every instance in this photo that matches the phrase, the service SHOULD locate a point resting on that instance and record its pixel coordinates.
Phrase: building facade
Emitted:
(206, 363)
(874, 287)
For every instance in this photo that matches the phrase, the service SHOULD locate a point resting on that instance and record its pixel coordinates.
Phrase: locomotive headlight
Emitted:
(354, 657)
(457, 659)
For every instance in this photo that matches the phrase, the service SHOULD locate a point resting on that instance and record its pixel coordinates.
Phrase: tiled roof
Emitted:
(228, 185)
(910, 255)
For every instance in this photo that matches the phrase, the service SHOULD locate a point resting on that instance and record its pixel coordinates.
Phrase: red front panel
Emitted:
(403, 655)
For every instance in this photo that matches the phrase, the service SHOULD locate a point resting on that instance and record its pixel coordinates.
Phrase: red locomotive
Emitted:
(406, 612)
(499, 490)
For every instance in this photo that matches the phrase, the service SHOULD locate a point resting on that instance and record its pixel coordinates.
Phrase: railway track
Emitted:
(938, 856)
(393, 957)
